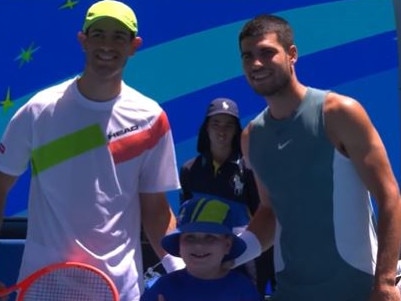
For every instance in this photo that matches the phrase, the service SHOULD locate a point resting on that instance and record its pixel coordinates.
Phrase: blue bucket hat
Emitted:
(207, 215)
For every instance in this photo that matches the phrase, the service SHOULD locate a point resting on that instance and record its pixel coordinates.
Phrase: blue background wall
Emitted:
(190, 56)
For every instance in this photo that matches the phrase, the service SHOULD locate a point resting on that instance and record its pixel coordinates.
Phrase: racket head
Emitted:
(67, 281)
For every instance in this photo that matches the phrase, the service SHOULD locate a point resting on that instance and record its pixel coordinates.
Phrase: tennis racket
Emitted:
(65, 281)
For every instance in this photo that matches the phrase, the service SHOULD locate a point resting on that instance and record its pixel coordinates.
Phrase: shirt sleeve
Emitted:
(16, 143)
(159, 172)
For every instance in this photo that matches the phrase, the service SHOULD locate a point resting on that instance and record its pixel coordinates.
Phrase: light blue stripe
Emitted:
(6, 116)
(200, 60)
(207, 58)
(325, 26)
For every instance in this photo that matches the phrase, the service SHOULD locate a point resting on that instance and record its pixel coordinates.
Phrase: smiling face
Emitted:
(108, 45)
(203, 253)
(268, 67)
(221, 129)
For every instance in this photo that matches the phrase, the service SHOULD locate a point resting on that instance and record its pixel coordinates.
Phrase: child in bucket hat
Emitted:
(204, 239)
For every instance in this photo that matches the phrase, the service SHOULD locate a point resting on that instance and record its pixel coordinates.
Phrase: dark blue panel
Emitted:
(349, 61)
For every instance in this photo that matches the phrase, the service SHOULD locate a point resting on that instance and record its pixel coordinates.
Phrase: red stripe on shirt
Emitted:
(132, 146)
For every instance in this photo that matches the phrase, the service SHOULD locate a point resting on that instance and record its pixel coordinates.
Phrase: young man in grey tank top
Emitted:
(317, 157)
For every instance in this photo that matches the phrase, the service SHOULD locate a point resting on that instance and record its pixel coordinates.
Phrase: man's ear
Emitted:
(293, 54)
(81, 39)
(135, 44)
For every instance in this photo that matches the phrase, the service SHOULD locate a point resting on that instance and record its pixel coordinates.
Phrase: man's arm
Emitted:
(6, 182)
(263, 223)
(157, 220)
(350, 129)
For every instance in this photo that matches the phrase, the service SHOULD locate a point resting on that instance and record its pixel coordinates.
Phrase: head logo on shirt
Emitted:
(122, 132)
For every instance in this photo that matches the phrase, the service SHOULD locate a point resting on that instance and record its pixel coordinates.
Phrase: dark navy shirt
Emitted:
(232, 180)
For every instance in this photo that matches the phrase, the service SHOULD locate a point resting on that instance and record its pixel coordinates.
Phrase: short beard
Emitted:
(273, 90)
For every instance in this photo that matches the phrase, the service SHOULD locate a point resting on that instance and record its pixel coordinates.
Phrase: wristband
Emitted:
(172, 263)
(253, 248)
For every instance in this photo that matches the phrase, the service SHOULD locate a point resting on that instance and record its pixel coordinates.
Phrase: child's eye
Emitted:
(211, 238)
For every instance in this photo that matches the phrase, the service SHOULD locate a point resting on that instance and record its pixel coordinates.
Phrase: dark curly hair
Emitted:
(268, 24)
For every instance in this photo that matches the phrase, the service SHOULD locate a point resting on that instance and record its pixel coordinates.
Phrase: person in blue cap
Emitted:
(219, 169)
(204, 239)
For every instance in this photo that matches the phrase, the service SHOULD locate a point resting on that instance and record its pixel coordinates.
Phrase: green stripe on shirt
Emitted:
(66, 147)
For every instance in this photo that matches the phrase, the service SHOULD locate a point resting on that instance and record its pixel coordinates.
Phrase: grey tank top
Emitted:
(294, 160)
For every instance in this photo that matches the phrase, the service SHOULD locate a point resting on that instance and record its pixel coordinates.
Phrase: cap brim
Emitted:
(226, 112)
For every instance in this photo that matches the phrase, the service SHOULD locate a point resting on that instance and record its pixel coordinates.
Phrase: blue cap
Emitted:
(206, 215)
(223, 106)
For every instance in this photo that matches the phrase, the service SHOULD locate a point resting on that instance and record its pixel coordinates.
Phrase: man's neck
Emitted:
(284, 103)
(99, 90)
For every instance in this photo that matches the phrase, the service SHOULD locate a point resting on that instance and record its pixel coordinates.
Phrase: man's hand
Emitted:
(387, 293)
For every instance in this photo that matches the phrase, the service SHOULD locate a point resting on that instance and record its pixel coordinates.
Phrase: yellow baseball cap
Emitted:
(111, 9)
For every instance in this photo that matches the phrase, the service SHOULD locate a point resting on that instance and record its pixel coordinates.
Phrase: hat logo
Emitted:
(225, 105)
(213, 211)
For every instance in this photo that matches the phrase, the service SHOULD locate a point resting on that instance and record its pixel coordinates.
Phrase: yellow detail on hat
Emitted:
(111, 9)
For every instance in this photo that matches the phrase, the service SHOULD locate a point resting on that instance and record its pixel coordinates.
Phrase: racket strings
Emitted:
(71, 283)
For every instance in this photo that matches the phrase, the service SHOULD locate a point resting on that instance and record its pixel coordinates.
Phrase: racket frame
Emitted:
(21, 287)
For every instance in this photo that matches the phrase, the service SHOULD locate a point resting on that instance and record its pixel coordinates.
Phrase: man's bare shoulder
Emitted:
(337, 103)
(345, 120)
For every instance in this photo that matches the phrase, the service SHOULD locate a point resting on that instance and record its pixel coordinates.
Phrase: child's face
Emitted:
(204, 252)
(221, 129)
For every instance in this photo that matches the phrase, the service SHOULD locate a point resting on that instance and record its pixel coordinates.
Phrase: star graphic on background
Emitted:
(7, 103)
(26, 55)
(69, 4)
